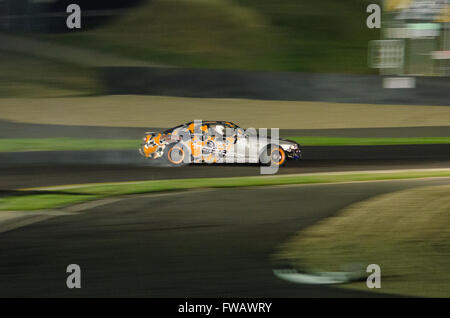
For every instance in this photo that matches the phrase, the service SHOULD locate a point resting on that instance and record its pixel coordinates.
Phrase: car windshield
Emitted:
(172, 129)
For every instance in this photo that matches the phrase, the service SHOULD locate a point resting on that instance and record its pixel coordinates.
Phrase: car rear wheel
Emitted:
(176, 155)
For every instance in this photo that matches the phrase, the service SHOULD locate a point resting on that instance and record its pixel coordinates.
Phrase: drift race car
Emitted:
(216, 142)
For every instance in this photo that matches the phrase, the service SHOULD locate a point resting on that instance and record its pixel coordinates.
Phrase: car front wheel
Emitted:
(273, 155)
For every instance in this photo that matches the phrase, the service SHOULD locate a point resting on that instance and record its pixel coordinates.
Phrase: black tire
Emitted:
(176, 155)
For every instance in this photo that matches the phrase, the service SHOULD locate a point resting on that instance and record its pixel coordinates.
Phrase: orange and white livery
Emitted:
(218, 142)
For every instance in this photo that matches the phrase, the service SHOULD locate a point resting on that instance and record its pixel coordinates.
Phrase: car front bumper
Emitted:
(295, 154)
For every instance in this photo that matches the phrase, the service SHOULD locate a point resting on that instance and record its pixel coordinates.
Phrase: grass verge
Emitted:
(61, 144)
(287, 35)
(79, 193)
(406, 233)
(27, 76)
(350, 141)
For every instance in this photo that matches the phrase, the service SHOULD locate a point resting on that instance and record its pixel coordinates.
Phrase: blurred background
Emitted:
(294, 36)
(288, 35)
(75, 103)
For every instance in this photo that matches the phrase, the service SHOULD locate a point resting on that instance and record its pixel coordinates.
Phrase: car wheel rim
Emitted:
(277, 156)
(176, 155)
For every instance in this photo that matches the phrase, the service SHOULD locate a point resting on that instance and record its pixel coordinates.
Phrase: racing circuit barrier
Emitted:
(207, 83)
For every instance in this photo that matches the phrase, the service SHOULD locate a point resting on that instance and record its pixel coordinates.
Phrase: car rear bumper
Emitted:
(141, 151)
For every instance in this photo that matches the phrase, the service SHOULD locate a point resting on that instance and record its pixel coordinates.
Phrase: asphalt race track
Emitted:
(22, 170)
(205, 243)
(210, 243)
(38, 176)
(315, 159)
(9, 129)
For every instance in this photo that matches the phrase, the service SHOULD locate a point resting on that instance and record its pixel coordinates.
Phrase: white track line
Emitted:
(320, 278)
(13, 219)
(10, 220)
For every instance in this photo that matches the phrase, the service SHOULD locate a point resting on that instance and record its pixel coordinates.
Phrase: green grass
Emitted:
(43, 201)
(319, 36)
(350, 141)
(27, 76)
(406, 233)
(284, 35)
(60, 144)
(78, 193)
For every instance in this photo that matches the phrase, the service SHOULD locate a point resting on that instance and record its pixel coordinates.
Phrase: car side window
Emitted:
(216, 129)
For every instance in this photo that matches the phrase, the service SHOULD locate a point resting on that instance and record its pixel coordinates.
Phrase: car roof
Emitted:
(209, 122)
